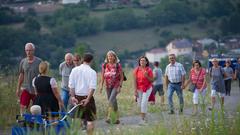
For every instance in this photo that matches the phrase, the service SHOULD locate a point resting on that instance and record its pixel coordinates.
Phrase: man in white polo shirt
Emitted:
(82, 84)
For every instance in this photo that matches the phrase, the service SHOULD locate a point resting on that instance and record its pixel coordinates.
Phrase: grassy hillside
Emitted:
(134, 40)
(131, 40)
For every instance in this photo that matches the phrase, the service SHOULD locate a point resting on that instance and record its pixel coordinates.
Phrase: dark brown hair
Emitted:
(156, 63)
(145, 59)
(196, 61)
(88, 57)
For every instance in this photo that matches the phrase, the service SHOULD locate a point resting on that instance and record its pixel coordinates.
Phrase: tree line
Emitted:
(54, 34)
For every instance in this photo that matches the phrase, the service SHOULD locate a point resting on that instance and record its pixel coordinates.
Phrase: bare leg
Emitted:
(222, 101)
(143, 115)
(22, 109)
(213, 101)
(90, 128)
(162, 100)
(195, 109)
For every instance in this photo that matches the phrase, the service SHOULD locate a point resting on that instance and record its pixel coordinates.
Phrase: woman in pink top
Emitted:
(112, 74)
(198, 76)
(143, 78)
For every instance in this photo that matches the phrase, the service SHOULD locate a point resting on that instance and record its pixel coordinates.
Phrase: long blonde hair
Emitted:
(43, 67)
(114, 54)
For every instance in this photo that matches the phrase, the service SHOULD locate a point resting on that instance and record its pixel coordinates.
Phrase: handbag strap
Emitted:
(198, 75)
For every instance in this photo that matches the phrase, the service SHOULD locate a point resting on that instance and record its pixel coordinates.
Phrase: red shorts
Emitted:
(26, 97)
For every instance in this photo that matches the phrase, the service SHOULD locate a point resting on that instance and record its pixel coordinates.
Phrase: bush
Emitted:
(172, 12)
(32, 24)
(201, 22)
(120, 20)
(8, 16)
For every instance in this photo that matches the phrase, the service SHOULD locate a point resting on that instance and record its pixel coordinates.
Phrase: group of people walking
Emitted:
(79, 82)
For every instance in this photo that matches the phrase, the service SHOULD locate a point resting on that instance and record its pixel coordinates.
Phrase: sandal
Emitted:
(117, 122)
(108, 121)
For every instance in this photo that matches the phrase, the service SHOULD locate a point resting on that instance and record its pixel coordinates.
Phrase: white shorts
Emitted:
(199, 95)
(214, 93)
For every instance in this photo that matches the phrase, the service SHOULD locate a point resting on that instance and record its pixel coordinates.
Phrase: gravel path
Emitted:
(230, 106)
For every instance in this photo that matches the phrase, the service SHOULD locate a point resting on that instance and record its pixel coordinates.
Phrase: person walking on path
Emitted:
(175, 79)
(237, 72)
(65, 69)
(28, 69)
(229, 76)
(82, 84)
(143, 78)
(158, 81)
(197, 76)
(76, 60)
(48, 97)
(112, 75)
(217, 75)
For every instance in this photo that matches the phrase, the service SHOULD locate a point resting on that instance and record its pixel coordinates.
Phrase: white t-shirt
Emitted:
(82, 79)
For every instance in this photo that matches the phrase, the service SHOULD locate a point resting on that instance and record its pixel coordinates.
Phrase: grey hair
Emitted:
(30, 44)
(68, 54)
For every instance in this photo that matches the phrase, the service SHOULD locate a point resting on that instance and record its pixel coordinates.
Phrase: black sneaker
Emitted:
(108, 121)
(117, 122)
(84, 127)
(181, 111)
(210, 108)
(171, 112)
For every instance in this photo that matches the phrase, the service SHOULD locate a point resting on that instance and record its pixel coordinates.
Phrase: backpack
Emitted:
(117, 66)
(210, 72)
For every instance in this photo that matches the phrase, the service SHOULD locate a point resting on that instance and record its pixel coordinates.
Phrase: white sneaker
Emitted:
(142, 122)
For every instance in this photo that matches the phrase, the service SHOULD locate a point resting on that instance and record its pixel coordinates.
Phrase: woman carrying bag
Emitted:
(197, 76)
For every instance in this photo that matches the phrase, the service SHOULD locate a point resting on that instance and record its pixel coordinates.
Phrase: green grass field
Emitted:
(131, 40)
(201, 125)
(135, 40)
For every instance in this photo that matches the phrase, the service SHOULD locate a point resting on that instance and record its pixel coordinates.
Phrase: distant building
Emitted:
(197, 50)
(180, 47)
(70, 1)
(156, 54)
(231, 42)
(207, 41)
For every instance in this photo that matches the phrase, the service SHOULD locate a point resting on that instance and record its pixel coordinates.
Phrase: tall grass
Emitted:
(217, 122)
(9, 104)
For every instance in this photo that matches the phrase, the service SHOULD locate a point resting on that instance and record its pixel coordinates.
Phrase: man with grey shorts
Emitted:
(158, 82)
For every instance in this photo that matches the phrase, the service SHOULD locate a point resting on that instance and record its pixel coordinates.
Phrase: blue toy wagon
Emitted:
(40, 124)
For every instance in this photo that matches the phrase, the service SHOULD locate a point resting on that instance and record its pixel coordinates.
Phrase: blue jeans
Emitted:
(65, 97)
(112, 98)
(171, 88)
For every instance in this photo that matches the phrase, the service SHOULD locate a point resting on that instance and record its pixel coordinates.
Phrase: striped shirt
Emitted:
(175, 72)
(198, 78)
